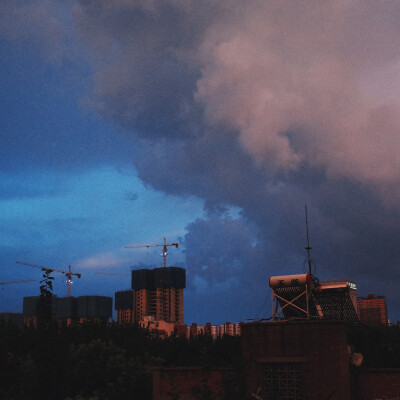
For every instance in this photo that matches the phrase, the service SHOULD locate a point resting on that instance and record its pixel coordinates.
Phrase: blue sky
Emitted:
(70, 194)
(209, 124)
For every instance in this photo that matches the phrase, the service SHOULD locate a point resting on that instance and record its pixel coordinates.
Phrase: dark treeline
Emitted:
(112, 362)
(98, 362)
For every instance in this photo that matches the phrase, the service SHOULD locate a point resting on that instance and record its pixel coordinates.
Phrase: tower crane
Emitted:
(164, 246)
(24, 280)
(111, 273)
(68, 273)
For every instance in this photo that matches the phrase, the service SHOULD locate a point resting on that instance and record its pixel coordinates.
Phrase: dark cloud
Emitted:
(219, 248)
(170, 70)
(226, 269)
(262, 109)
(147, 74)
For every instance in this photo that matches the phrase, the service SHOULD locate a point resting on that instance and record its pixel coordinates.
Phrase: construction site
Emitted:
(157, 292)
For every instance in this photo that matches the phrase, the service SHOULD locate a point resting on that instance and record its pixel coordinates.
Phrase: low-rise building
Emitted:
(285, 359)
(228, 328)
(162, 328)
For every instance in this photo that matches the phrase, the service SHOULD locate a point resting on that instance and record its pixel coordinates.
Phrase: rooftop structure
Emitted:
(372, 310)
(337, 299)
(301, 296)
(286, 359)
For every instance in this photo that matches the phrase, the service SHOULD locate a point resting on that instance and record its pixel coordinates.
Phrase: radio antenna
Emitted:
(308, 248)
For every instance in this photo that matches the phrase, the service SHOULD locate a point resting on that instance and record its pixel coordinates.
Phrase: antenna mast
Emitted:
(308, 248)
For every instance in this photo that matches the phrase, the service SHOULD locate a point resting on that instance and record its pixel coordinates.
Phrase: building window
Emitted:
(283, 381)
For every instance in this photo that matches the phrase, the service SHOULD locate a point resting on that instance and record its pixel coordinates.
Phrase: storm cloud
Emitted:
(262, 106)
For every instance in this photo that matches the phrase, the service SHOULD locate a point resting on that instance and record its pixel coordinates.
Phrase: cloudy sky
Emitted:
(210, 123)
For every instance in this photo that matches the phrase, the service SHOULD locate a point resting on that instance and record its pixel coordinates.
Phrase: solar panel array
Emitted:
(333, 300)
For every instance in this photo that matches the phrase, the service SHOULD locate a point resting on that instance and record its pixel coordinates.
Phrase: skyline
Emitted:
(211, 125)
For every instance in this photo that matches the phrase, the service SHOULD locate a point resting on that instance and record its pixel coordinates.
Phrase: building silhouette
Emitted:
(372, 310)
(292, 359)
(16, 319)
(70, 310)
(155, 292)
(125, 306)
(307, 349)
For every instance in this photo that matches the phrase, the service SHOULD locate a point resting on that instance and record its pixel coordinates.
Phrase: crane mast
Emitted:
(111, 273)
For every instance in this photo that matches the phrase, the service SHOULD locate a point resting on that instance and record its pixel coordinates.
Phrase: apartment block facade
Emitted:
(155, 292)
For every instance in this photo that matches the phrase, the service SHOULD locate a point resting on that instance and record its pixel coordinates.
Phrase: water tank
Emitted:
(290, 280)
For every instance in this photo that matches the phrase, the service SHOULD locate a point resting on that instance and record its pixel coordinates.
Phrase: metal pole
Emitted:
(272, 303)
(308, 248)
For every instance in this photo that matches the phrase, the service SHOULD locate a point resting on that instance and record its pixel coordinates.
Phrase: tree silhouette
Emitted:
(45, 306)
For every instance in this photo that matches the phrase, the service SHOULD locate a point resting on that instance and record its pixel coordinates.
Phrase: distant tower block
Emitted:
(70, 310)
(372, 310)
(159, 292)
(125, 306)
(155, 292)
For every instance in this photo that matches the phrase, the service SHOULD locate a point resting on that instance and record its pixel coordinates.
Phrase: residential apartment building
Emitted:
(372, 310)
(155, 292)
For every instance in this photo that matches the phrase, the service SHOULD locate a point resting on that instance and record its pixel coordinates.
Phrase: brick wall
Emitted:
(312, 354)
(378, 384)
(194, 383)
(318, 348)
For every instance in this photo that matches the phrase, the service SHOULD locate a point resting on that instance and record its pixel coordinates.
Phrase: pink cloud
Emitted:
(284, 66)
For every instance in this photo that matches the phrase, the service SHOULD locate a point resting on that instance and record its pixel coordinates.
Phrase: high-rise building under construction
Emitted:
(155, 292)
